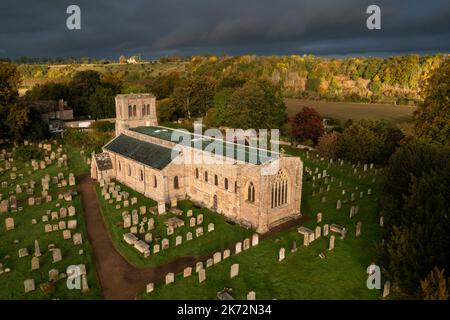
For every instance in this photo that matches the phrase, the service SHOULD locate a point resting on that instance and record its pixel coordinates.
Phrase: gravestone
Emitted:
(156, 248)
(326, 230)
(234, 270)
(189, 213)
(192, 222)
(29, 285)
(187, 272)
(161, 207)
(178, 240)
(23, 252)
(198, 266)
(246, 244)
(170, 278)
(9, 224)
(67, 234)
(201, 275)
(319, 217)
(53, 275)
(199, 232)
(149, 288)
(189, 236)
(358, 229)
(217, 257)
(77, 239)
(281, 254)
(255, 239)
(226, 253)
(148, 237)
(294, 246)
(71, 211)
(200, 219)
(56, 254)
(381, 221)
(72, 224)
(35, 263)
(210, 227)
(37, 250)
(169, 230)
(209, 262)
(251, 295)
(238, 247)
(386, 289)
(338, 205)
(331, 247)
(165, 244)
(318, 232)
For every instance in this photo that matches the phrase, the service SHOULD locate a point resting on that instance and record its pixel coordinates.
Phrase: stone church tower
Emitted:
(135, 110)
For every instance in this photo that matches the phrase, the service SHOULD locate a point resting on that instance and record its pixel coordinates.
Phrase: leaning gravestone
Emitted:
(29, 285)
(170, 278)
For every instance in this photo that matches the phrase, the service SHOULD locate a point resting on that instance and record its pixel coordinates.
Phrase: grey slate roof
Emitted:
(150, 154)
(103, 161)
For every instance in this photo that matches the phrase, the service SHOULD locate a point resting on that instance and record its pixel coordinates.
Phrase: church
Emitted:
(257, 194)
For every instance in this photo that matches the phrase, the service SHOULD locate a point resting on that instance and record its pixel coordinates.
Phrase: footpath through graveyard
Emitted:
(119, 280)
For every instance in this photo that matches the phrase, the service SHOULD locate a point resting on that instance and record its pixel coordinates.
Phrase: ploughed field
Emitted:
(343, 111)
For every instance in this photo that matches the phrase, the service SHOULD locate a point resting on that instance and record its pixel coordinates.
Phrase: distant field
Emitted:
(356, 111)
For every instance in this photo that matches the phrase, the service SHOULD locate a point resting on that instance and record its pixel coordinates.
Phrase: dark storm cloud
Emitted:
(160, 27)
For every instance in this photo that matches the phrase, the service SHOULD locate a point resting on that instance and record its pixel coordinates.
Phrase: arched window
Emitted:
(206, 176)
(196, 173)
(251, 192)
(143, 110)
(129, 170)
(235, 187)
(155, 182)
(279, 189)
(130, 111)
(216, 180)
(120, 166)
(226, 183)
(175, 182)
(148, 109)
(141, 175)
(134, 111)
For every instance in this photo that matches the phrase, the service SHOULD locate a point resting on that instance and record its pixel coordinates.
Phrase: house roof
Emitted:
(150, 154)
(228, 149)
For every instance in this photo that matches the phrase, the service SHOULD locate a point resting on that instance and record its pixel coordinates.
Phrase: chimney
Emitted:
(61, 104)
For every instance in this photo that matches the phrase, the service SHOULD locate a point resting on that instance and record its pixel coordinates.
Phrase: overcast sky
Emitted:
(154, 28)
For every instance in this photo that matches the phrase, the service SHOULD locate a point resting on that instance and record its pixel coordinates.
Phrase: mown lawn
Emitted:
(303, 274)
(224, 234)
(11, 284)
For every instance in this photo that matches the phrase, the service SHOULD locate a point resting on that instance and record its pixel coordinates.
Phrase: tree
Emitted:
(258, 104)
(415, 205)
(328, 145)
(435, 286)
(217, 115)
(48, 91)
(369, 141)
(9, 83)
(82, 86)
(307, 125)
(17, 121)
(102, 103)
(432, 117)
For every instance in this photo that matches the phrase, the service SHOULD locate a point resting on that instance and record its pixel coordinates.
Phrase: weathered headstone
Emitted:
(201, 275)
(56, 254)
(170, 278)
(255, 239)
(358, 229)
(281, 254)
(234, 270)
(238, 247)
(187, 272)
(331, 247)
(29, 285)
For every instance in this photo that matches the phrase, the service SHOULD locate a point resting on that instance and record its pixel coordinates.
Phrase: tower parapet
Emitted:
(135, 110)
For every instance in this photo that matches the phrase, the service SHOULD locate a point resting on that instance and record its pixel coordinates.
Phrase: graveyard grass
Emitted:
(224, 234)
(11, 284)
(303, 274)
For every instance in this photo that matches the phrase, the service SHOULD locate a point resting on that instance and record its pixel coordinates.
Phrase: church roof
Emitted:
(150, 154)
(207, 144)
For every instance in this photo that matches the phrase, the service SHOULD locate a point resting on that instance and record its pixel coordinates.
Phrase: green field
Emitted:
(11, 284)
(303, 274)
(343, 111)
(224, 234)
